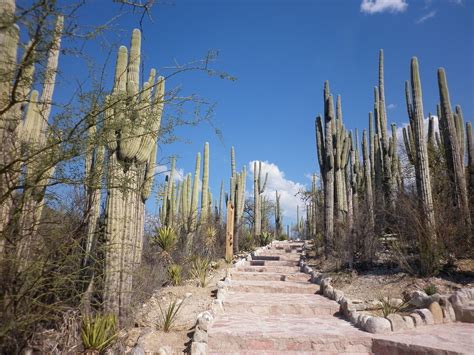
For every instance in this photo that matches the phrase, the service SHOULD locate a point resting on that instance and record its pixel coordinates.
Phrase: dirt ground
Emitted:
(387, 280)
(148, 318)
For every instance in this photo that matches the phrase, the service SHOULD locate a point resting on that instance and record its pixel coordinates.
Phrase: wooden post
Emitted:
(229, 240)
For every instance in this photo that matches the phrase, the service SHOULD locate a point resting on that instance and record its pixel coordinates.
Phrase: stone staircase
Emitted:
(271, 308)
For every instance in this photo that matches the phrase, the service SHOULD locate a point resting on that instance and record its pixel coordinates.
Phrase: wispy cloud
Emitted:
(457, 2)
(423, 18)
(288, 189)
(391, 106)
(379, 6)
(178, 175)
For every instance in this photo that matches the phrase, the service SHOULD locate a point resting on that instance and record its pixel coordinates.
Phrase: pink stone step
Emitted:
(266, 268)
(260, 352)
(272, 287)
(269, 276)
(255, 332)
(273, 262)
(305, 305)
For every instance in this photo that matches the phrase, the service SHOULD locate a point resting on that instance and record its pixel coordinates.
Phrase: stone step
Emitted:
(266, 268)
(260, 352)
(305, 305)
(272, 262)
(273, 287)
(254, 332)
(269, 276)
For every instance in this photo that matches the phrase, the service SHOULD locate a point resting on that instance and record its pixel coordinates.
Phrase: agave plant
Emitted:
(199, 268)
(174, 272)
(265, 238)
(390, 307)
(169, 314)
(98, 332)
(166, 239)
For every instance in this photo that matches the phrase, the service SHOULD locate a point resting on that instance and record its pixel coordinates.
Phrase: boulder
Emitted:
(437, 312)
(417, 320)
(425, 315)
(422, 300)
(200, 335)
(396, 322)
(198, 348)
(338, 295)
(409, 322)
(377, 325)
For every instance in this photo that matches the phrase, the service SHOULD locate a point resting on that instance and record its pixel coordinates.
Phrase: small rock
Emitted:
(378, 325)
(200, 335)
(437, 312)
(137, 350)
(409, 322)
(165, 350)
(396, 321)
(198, 348)
(338, 295)
(352, 316)
(426, 315)
(417, 320)
(448, 313)
(361, 320)
(421, 300)
(187, 294)
(329, 292)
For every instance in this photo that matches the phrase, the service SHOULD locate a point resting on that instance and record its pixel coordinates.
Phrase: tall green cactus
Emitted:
(451, 129)
(258, 189)
(470, 166)
(428, 240)
(368, 249)
(205, 186)
(278, 216)
(133, 118)
(195, 194)
(325, 149)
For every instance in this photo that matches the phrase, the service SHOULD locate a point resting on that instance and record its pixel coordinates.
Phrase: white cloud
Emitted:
(423, 18)
(401, 144)
(288, 190)
(379, 6)
(178, 175)
(391, 106)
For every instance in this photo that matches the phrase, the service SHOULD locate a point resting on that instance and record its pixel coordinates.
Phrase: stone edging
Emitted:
(435, 309)
(205, 319)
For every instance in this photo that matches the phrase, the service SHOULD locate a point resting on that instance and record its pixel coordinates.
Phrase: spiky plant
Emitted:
(166, 239)
(388, 306)
(175, 274)
(98, 332)
(199, 270)
(265, 238)
(169, 314)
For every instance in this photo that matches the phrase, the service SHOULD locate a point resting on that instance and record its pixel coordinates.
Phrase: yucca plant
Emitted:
(388, 306)
(166, 239)
(199, 268)
(169, 314)
(265, 238)
(175, 272)
(98, 332)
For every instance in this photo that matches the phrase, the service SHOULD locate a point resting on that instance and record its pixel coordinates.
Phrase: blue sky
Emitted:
(281, 52)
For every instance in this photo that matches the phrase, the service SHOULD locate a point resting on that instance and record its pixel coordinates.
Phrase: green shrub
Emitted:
(199, 268)
(282, 237)
(98, 332)
(175, 272)
(169, 314)
(247, 243)
(431, 289)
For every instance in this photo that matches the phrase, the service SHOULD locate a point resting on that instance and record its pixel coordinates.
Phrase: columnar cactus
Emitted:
(205, 186)
(132, 122)
(278, 217)
(470, 165)
(258, 189)
(34, 135)
(325, 148)
(195, 195)
(423, 181)
(451, 129)
(369, 200)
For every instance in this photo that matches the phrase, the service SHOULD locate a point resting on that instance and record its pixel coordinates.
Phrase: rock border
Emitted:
(435, 309)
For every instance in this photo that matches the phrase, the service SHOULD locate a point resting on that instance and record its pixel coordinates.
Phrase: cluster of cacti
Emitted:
(132, 122)
(370, 191)
(25, 138)
(258, 189)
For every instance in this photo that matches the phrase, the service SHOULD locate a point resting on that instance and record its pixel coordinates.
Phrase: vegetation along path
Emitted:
(272, 308)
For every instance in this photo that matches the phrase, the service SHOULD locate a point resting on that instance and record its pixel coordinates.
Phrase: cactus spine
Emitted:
(133, 119)
(423, 180)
